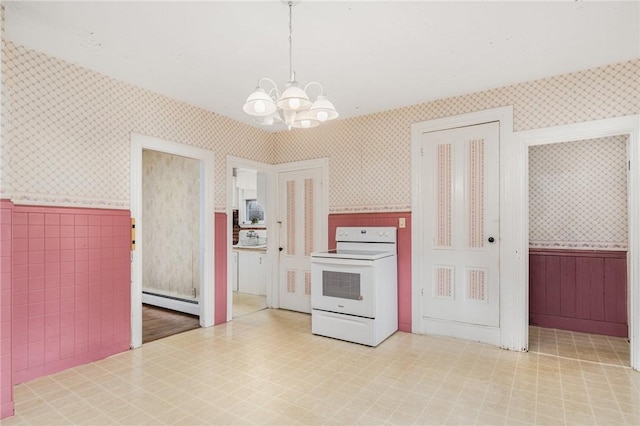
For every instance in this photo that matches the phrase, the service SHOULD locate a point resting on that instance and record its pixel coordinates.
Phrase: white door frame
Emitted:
(508, 335)
(270, 224)
(323, 164)
(629, 125)
(207, 272)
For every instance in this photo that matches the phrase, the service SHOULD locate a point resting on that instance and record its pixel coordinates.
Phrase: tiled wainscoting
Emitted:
(6, 377)
(579, 290)
(71, 287)
(404, 252)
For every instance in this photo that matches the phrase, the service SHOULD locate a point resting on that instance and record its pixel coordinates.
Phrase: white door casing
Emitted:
(628, 125)
(206, 214)
(460, 193)
(302, 220)
(512, 326)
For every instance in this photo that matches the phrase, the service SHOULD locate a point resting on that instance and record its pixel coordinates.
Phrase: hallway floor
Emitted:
(158, 323)
(267, 368)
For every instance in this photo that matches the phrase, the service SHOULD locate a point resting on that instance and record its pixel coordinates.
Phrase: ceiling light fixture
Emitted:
(293, 106)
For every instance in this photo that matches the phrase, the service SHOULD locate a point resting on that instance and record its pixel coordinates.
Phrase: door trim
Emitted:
(507, 335)
(270, 223)
(207, 272)
(323, 164)
(628, 125)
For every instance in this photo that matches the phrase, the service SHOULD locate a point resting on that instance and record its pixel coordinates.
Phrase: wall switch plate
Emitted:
(402, 223)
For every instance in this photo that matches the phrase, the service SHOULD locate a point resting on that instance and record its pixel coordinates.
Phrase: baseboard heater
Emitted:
(188, 306)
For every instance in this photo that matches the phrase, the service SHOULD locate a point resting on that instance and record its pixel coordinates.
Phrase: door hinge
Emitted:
(422, 292)
(422, 152)
(133, 233)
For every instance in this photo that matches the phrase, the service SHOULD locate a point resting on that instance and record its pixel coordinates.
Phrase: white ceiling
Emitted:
(370, 56)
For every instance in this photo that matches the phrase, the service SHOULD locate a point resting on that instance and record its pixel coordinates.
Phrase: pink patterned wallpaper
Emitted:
(370, 156)
(578, 194)
(70, 133)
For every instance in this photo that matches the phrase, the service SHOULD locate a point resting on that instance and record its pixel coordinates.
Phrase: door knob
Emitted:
(280, 248)
(491, 239)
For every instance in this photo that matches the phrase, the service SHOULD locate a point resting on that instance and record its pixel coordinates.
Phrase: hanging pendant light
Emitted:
(293, 106)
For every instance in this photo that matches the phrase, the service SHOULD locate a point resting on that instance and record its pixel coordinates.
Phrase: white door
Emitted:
(301, 217)
(461, 231)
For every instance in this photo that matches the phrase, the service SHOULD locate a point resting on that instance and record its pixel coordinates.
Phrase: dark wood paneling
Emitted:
(616, 276)
(568, 287)
(579, 290)
(552, 278)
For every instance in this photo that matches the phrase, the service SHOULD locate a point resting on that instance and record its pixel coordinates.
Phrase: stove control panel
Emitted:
(367, 234)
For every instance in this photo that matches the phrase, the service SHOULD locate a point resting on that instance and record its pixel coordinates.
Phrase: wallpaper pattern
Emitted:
(170, 213)
(370, 156)
(578, 194)
(4, 147)
(70, 130)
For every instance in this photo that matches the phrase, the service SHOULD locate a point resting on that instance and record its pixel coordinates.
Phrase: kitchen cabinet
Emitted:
(261, 189)
(234, 271)
(252, 271)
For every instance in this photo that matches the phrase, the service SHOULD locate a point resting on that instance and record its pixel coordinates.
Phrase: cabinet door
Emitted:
(234, 271)
(251, 273)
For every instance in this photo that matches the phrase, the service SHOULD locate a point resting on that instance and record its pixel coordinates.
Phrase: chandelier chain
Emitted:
(291, 106)
(290, 41)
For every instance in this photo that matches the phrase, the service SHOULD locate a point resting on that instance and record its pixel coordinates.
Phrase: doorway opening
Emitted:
(578, 241)
(250, 223)
(171, 264)
(628, 126)
(192, 265)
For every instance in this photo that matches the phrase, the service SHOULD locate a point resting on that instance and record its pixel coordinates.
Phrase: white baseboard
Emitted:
(173, 304)
(478, 333)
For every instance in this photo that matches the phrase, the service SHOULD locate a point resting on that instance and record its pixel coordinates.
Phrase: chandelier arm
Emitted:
(273, 83)
(311, 83)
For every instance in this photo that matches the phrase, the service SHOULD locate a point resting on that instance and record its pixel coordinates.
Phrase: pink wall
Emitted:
(404, 252)
(6, 376)
(220, 224)
(71, 287)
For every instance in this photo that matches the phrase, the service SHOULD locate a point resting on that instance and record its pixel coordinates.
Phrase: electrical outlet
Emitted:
(402, 223)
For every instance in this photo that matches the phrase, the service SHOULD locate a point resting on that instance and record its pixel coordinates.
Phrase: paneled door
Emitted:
(460, 192)
(302, 228)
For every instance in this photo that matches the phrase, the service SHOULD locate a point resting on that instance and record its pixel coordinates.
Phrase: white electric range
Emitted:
(354, 288)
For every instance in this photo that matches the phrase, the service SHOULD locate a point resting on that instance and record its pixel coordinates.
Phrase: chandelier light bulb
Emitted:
(322, 115)
(294, 104)
(259, 107)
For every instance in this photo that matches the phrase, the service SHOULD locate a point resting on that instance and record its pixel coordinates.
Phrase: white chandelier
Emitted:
(293, 106)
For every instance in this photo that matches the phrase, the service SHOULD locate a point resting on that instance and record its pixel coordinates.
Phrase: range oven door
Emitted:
(343, 285)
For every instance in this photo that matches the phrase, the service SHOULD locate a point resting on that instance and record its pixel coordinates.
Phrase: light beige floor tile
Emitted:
(267, 368)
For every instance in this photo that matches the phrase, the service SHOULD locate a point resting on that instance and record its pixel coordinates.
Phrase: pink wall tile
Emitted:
(220, 224)
(6, 309)
(404, 252)
(72, 304)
